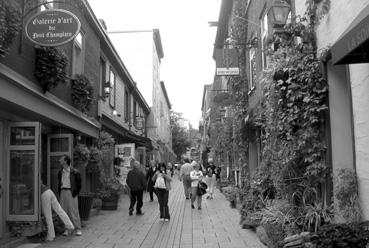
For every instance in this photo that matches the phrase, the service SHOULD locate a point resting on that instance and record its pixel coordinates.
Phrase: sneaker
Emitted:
(65, 233)
(139, 213)
(187, 198)
(78, 233)
(199, 208)
(166, 220)
(130, 212)
(192, 206)
(161, 219)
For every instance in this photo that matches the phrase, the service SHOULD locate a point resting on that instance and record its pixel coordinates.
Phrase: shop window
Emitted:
(22, 171)
(78, 54)
(112, 80)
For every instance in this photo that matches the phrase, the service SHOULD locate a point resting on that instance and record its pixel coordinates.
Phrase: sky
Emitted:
(187, 42)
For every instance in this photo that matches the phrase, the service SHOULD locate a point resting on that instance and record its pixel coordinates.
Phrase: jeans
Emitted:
(136, 196)
(49, 203)
(194, 196)
(163, 196)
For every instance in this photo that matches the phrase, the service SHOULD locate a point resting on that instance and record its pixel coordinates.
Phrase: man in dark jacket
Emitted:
(136, 181)
(69, 186)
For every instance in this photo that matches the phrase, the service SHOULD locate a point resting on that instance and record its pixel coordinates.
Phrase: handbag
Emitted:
(201, 188)
(160, 183)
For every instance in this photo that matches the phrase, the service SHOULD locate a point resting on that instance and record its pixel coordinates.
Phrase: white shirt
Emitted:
(195, 176)
(65, 179)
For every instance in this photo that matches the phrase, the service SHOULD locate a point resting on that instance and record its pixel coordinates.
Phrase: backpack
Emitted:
(160, 183)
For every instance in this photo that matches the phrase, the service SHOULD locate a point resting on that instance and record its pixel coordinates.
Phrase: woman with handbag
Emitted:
(196, 176)
(162, 187)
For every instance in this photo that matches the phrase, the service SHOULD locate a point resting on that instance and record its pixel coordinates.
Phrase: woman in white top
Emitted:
(210, 181)
(196, 176)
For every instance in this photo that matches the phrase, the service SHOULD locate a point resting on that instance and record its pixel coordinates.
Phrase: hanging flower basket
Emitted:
(81, 155)
(51, 67)
(82, 93)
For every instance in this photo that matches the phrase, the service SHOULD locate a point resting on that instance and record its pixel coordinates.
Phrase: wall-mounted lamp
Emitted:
(278, 13)
(115, 113)
(106, 90)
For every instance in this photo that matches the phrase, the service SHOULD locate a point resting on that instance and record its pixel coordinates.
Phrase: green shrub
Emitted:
(342, 235)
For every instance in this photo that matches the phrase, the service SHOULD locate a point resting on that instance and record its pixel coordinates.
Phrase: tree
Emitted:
(180, 136)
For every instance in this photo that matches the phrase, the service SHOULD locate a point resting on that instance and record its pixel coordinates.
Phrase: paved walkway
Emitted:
(216, 225)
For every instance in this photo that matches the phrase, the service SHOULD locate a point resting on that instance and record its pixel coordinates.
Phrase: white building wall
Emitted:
(135, 50)
(329, 30)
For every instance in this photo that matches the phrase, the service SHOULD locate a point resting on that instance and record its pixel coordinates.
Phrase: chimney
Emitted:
(103, 24)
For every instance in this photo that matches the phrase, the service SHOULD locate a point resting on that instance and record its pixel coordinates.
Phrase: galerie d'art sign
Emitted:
(52, 27)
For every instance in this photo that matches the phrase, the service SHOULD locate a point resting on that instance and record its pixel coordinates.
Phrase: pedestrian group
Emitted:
(157, 181)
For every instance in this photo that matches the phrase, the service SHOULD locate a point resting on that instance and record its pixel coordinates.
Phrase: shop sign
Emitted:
(227, 62)
(52, 27)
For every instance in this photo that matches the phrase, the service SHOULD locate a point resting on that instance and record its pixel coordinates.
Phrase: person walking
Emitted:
(162, 187)
(150, 183)
(184, 175)
(69, 186)
(136, 182)
(195, 175)
(49, 203)
(211, 182)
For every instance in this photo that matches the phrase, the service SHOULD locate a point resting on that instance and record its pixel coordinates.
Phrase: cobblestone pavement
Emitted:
(216, 225)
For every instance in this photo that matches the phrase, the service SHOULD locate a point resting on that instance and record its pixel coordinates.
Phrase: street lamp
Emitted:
(106, 90)
(278, 13)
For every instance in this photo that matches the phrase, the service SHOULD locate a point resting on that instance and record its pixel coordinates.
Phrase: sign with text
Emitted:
(52, 27)
(227, 62)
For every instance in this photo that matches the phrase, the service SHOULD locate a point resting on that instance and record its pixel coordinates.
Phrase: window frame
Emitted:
(113, 84)
(126, 105)
(78, 54)
(252, 69)
(264, 29)
(102, 71)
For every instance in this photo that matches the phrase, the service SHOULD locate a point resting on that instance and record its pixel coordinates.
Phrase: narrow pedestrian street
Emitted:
(215, 225)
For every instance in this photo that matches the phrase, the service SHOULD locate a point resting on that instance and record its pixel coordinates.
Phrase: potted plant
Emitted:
(94, 169)
(109, 193)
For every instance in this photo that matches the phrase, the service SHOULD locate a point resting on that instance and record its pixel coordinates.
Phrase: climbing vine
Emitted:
(292, 114)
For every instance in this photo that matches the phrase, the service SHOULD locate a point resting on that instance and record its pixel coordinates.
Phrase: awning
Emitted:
(353, 45)
(125, 135)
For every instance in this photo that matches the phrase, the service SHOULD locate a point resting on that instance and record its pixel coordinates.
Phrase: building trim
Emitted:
(351, 46)
(165, 94)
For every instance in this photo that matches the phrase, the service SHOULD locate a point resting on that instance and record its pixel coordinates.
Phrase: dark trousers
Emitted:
(151, 193)
(163, 196)
(136, 196)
